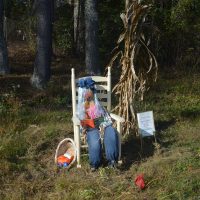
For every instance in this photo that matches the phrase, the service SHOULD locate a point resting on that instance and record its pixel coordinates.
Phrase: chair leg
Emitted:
(119, 144)
(119, 158)
(78, 147)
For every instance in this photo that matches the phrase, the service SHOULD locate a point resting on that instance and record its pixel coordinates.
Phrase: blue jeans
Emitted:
(95, 148)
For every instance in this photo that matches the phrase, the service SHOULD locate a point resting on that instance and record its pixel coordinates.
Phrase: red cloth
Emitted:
(139, 181)
(63, 159)
(88, 123)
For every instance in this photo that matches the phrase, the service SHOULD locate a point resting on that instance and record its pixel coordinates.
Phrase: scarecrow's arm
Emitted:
(117, 117)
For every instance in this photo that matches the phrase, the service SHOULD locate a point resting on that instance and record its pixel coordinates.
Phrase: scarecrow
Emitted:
(95, 122)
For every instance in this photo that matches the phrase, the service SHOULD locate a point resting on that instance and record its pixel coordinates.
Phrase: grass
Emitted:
(32, 123)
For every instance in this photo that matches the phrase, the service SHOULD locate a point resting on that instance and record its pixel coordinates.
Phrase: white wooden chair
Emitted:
(103, 86)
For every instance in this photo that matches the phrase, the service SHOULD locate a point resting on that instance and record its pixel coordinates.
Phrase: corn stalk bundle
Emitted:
(137, 63)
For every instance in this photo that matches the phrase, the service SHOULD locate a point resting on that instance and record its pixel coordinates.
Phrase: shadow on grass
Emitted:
(162, 125)
(191, 113)
(134, 152)
(165, 139)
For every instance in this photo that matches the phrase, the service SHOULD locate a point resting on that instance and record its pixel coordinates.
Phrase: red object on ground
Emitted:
(139, 181)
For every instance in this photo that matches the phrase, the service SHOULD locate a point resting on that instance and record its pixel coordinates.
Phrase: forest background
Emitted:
(172, 27)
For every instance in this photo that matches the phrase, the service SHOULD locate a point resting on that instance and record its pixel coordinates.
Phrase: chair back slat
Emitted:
(95, 78)
(102, 95)
(99, 96)
(104, 104)
(98, 87)
(101, 87)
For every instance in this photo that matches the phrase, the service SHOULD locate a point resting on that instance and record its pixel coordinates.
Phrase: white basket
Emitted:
(62, 148)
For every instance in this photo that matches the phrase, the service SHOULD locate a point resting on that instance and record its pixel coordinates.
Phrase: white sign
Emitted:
(146, 123)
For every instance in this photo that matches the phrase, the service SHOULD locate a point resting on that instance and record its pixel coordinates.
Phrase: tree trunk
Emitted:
(91, 37)
(42, 65)
(79, 27)
(4, 68)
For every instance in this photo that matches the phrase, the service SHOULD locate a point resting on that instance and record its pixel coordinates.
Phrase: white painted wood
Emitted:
(102, 87)
(109, 90)
(98, 87)
(84, 146)
(95, 78)
(75, 126)
(78, 145)
(105, 104)
(99, 96)
(119, 138)
(117, 117)
(99, 78)
(102, 95)
(73, 85)
(75, 140)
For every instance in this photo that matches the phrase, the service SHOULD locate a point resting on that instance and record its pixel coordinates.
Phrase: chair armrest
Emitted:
(75, 120)
(117, 117)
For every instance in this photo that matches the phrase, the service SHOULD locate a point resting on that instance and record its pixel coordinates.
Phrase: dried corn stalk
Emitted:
(136, 61)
